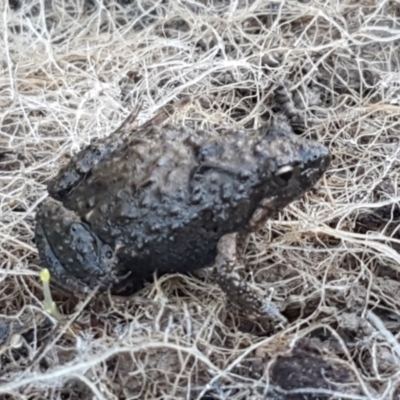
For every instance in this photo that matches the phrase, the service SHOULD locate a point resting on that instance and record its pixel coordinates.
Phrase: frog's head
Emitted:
(76, 258)
(291, 164)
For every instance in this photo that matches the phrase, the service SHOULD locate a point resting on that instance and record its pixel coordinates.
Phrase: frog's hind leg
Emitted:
(239, 292)
(285, 105)
(301, 106)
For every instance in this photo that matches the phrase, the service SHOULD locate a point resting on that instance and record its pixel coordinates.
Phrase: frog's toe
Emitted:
(239, 292)
(246, 297)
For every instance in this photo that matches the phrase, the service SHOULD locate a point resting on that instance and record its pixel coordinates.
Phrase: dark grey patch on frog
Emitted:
(164, 197)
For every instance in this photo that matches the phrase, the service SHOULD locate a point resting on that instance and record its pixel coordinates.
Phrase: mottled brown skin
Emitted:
(163, 199)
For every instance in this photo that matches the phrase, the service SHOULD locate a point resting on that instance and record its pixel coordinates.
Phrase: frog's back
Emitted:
(166, 199)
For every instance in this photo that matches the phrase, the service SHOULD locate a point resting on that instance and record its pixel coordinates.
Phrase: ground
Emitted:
(73, 70)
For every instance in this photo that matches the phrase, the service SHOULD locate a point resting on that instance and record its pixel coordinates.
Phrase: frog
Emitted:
(159, 198)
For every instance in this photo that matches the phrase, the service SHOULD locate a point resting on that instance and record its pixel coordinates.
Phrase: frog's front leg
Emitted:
(238, 291)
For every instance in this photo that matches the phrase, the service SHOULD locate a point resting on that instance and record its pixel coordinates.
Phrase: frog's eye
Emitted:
(109, 254)
(74, 228)
(284, 175)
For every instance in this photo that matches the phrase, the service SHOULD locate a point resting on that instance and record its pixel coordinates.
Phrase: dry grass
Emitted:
(73, 70)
